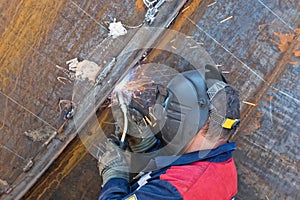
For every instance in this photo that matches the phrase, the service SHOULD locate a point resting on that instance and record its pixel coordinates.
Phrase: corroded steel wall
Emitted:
(255, 43)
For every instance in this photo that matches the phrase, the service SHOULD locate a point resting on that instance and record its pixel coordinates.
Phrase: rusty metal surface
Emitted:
(255, 43)
(35, 38)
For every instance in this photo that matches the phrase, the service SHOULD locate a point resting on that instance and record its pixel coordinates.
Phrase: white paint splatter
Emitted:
(116, 29)
(84, 69)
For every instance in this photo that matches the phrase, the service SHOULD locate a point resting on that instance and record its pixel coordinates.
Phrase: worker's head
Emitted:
(192, 102)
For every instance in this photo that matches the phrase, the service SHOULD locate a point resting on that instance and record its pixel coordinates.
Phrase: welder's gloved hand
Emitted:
(140, 136)
(114, 163)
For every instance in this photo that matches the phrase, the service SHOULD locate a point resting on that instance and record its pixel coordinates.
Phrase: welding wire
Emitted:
(249, 103)
(62, 69)
(228, 18)
(50, 138)
(172, 40)
(211, 4)
(133, 27)
(225, 72)
(60, 79)
(185, 9)
(189, 37)
(193, 47)
(219, 65)
(13, 152)
(72, 61)
(174, 47)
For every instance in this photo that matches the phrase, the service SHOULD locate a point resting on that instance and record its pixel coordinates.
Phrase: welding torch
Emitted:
(123, 107)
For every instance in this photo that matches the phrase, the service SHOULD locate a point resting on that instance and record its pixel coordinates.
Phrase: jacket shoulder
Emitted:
(204, 180)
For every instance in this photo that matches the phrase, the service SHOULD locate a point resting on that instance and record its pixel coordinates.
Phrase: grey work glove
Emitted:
(140, 137)
(114, 163)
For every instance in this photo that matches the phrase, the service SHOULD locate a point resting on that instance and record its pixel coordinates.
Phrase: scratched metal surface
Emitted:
(35, 37)
(257, 49)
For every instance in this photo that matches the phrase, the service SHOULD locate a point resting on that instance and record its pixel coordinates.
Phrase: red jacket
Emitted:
(204, 180)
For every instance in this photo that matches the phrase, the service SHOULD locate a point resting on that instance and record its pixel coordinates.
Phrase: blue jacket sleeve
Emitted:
(115, 188)
(118, 188)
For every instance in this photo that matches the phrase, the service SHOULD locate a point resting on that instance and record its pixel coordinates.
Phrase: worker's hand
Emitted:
(139, 136)
(114, 163)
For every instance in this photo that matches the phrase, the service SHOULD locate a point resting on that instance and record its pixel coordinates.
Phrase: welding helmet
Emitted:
(189, 99)
(182, 108)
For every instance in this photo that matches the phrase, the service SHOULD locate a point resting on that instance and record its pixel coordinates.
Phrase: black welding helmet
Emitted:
(181, 109)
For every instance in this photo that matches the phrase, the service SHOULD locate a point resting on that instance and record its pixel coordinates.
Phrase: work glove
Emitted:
(139, 136)
(114, 163)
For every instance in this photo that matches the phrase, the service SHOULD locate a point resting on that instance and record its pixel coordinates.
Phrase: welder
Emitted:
(177, 144)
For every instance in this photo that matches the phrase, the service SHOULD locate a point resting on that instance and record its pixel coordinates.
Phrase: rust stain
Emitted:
(254, 123)
(261, 26)
(285, 40)
(270, 98)
(66, 163)
(289, 52)
(28, 26)
(139, 4)
(293, 63)
(181, 20)
(65, 166)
